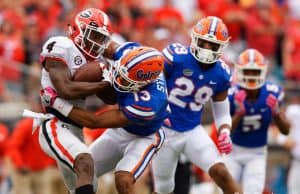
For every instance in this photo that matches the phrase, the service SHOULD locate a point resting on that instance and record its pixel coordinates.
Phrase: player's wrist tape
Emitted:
(225, 130)
(62, 106)
(281, 139)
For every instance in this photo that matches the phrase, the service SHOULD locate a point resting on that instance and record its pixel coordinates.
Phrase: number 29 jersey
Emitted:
(190, 86)
(252, 129)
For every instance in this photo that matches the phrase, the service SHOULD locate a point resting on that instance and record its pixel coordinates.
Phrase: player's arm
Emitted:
(282, 123)
(111, 49)
(221, 111)
(66, 88)
(109, 119)
(279, 118)
(236, 118)
(237, 104)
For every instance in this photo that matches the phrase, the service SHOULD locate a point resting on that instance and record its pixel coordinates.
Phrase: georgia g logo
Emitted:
(86, 14)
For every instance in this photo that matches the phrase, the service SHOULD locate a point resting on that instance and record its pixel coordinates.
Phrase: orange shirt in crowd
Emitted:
(24, 150)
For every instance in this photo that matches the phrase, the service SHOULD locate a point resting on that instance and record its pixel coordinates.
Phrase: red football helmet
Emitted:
(137, 68)
(212, 30)
(251, 69)
(91, 31)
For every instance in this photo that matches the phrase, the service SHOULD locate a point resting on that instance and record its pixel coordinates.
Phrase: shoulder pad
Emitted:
(224, 70)
(275, 89)
(123, 48)
(174, 52)
(57, 47)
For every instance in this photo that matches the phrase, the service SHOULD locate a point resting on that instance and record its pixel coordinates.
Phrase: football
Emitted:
(89, 72)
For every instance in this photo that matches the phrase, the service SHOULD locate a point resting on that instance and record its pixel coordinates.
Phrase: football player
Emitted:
(61, 137)
(254, 102)
(135, 132)
(194, 75)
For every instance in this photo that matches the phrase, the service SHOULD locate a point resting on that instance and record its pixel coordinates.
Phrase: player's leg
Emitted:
(253, 179)
(209, 159)
(293, 181)
(137, 155)
(107, 150)
(60, 141)
(234, 163)
(164, 163)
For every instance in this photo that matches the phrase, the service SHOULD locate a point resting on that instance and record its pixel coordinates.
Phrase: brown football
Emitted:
(89, 72)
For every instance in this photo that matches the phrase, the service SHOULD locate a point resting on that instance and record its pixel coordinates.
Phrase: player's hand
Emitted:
(48, 96)
(239, 99)
(273, 103)
(224, 141)
(106, 73)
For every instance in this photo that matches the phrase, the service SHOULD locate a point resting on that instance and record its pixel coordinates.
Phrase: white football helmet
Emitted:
(251, 69)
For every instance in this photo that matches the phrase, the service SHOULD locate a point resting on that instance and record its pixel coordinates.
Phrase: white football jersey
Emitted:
(62, 48)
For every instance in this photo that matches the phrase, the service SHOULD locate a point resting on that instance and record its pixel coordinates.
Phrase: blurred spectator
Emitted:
(291, 51)
(32, 42)
(262, 29)
(120, 16)
(45, 14)
(4, 182)
(170, 21)
(11, 51)
(31, 170)
(234, 17)
(292, 142)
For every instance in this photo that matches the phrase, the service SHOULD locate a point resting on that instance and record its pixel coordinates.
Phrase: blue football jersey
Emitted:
(190, 87)
(252, 129)
(146, 109)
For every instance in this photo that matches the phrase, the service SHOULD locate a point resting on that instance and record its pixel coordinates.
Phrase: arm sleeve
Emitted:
(168, 54)
(221, 112)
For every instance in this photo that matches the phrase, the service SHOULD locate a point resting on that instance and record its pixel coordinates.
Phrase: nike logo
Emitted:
(263, 109)
(212, 82)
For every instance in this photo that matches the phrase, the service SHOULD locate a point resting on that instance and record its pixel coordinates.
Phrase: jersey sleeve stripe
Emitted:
(140, 112)
(137, 116)
(142, 108)
(167, 54)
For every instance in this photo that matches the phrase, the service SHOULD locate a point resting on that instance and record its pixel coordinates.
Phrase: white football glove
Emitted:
(106, 72)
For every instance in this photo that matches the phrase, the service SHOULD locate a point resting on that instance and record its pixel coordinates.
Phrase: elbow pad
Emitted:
(221, 113)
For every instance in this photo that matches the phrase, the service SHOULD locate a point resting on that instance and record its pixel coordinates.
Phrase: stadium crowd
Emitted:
(270, 26)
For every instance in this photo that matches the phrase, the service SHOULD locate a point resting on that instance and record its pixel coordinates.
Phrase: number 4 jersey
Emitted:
(190, 86)
(62, 49)
(252, 129)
